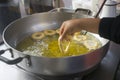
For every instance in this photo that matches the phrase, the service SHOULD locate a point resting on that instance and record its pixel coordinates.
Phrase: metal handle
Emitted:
(87, 11)
(57, 10)
(53, 10)
(11, 62)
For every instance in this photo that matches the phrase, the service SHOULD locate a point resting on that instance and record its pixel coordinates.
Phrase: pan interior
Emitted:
(47, 45)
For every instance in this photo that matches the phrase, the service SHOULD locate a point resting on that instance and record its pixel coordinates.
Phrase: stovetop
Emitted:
(107, 70)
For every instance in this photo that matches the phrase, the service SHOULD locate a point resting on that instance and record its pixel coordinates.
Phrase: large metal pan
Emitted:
(21, 28)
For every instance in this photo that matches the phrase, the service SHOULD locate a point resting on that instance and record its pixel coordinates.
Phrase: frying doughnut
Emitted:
(58, 31)
(62, 49)
(37, 35)
(79, 37)
(49, 32)
(90, 44)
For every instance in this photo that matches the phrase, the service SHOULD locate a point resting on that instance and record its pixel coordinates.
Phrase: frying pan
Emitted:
(19, 29)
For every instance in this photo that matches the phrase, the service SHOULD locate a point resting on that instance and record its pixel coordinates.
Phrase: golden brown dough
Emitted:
(37, 35)
(49, 32)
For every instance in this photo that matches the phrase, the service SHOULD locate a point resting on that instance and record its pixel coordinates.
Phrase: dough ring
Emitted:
(58, 31)
(90, 44)
(37, 35)
(49, 32)
(79, 37)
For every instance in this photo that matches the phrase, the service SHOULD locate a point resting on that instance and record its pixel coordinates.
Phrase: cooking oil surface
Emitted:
(48, 46)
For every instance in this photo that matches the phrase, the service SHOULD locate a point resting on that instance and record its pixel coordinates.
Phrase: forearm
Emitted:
(90, 24)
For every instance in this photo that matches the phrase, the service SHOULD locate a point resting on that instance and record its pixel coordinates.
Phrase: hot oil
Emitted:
(48, 46)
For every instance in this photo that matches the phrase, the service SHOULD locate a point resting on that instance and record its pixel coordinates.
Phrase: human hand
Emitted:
(71, 26)
(68, 28)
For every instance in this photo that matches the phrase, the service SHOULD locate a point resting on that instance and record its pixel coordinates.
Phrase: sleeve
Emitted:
(109, 28)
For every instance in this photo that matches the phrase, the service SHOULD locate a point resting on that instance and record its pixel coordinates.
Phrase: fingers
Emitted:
(62, 28)
(62, 32)
(63, 36)
(65, 30)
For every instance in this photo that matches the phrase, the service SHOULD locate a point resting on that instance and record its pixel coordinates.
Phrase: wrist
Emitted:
(90, 24)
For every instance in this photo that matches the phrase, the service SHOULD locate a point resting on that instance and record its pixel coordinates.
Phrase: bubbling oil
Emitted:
(48, 47)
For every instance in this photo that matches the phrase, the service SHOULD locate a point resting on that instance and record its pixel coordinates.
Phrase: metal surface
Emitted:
(22, 7)
(21, 28)
(105, 71)
(78, 13)
(109, 65)
(1, 39)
